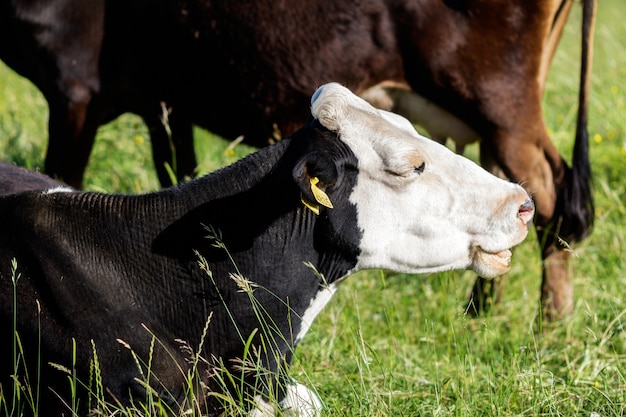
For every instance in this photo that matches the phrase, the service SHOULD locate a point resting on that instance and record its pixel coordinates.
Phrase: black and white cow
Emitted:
(355, 188)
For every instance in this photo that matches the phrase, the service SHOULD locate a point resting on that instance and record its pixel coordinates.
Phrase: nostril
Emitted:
(526, 211)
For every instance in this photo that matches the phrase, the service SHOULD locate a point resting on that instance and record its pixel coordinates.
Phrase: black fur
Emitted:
(99, 267)
(17, 179)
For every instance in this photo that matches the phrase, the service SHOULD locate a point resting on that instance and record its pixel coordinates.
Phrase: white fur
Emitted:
(262, 408)
(299, 401)
(318, 302)
(439, 123)
(443, 218)
(59, 189)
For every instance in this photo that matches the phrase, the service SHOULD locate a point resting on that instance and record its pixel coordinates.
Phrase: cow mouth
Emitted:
(491, 264)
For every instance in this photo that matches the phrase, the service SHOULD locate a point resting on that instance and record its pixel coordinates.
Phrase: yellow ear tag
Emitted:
(320, 196)
(314, 208)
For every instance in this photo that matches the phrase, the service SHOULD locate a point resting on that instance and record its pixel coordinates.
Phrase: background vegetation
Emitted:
(401, 345)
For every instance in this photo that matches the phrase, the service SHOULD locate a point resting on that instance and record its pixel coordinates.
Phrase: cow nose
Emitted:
(526, 212)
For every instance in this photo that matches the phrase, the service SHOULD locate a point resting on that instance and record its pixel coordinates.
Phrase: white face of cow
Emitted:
(421, 207)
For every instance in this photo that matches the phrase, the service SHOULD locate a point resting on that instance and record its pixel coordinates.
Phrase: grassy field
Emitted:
(400, 345)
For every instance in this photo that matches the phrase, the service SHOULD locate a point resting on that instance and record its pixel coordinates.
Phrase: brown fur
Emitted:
(249, 69)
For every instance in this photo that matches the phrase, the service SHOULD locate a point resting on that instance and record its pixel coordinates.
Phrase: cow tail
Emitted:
(579, 205)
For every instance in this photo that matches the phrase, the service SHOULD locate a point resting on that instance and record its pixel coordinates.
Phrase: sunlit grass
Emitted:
(401, 345)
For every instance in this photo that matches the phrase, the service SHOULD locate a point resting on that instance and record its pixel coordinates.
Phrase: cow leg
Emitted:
(541, 163)
(486, 292)
(539, 167)
(186, 163)
(557, 287)
(64, 65)
(160, 140)
(171, 136)
(72, 127)
(547, 185)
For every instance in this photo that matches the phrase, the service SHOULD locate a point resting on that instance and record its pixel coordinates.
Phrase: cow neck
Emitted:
(236, 178)
(264, 213)
(254, 206)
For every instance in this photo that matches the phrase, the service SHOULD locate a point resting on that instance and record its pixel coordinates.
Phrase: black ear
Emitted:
(314, 173)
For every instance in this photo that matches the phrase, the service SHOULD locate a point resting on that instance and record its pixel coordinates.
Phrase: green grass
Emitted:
(400, 345)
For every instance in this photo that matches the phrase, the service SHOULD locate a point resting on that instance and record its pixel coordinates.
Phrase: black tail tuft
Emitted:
(577, 199)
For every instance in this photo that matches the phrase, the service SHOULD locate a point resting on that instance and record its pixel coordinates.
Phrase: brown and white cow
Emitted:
(248, 68)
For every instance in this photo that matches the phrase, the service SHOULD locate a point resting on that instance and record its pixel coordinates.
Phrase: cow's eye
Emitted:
(420, 169)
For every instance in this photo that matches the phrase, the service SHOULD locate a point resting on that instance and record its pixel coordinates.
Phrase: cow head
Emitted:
(419, 206)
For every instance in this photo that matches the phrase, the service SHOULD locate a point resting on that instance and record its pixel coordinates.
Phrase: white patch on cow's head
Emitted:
(59, 189)
(421, 207)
